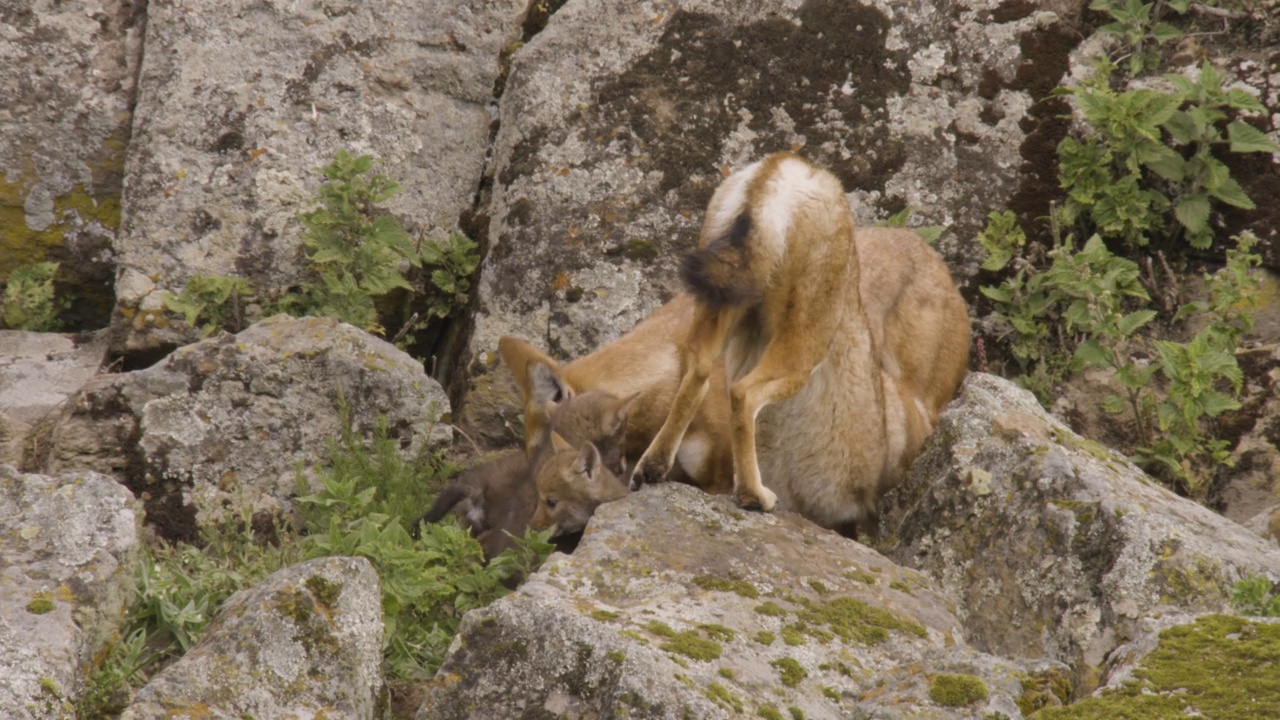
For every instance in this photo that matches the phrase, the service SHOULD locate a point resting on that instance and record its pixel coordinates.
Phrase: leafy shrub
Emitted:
(1255, 596)
(367, 497)
(356, 257)
(29, 302)
(216, 302)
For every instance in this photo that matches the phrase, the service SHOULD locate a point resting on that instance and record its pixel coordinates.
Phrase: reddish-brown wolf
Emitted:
(839, 349)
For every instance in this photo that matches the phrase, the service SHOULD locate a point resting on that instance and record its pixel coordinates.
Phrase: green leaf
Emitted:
(1230, 192)
(1245, 138)
(1090, 353)
(1243, 100)
(995, 293)
(1134, 320)
(1193, 212)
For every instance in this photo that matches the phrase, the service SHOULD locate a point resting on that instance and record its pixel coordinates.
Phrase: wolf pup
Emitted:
(571, 484)
(496, 499)
(839, 351)
(643, 365)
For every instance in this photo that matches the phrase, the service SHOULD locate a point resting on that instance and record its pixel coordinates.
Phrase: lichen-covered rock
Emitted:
(1210, 666)
(64, 129)
(229, 420)
(38, 373)
(67, 545)
(1050, 544)
(241, 102)
(304, 642)
(615, 133)
(678, 604)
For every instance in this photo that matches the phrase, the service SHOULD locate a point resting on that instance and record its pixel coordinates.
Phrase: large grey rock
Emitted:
(678, 604)
(241, 102)
(304, 642)
(67, 545)
(228, 421)
(1052, 545)
(64, 127)
(38, 373)
(614, 135)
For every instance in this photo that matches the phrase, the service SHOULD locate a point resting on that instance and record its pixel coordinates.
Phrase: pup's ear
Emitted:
(588, 462)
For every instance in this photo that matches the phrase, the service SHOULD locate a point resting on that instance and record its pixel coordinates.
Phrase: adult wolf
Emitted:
(839, 349)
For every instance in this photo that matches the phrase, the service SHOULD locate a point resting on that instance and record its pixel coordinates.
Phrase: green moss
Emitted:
(640, 250)
(837, 667)
(854, 621)
(1220, 666)
(741, 587)
(720, 695)
(764, 637)
(325, 592)
(689, 644)
(40, 604)
(900, 586)
(796, 713)
(605, 615)
(616, 656)
(717, 632)
(819, 587)
(862, 577)
(1048, 688)
(726, 673)
(957, 690)
(661, 629)
(771, 609)
(831, 693)
(50, 687)
(790, 671)
(633, 635)
(769, 712)
(792, 635)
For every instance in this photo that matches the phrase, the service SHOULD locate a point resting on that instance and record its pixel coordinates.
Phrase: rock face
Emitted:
(241, 103)
(64, 130)
(1050, 544)
(38, 373)
(614, 135)
(66, 549)
(305, 642)
(229, 420)
(747, 613)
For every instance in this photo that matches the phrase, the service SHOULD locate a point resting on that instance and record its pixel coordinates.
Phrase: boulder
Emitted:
(678, 604)
(64, 129)
(304, 642)
(241, 103)
(228, 422)
(67, 547)
(1052, 545)
(38, 373)
(614, 134)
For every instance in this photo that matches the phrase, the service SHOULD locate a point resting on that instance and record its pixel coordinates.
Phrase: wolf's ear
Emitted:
(518, 355)
(618, 413)
(559, 443)
(546, 385)
(589, 462)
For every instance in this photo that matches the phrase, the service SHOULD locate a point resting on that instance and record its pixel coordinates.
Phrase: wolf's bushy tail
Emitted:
(719, 273)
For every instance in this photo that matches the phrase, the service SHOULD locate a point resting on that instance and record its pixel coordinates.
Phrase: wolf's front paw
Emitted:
(648, 471)
(747, 500)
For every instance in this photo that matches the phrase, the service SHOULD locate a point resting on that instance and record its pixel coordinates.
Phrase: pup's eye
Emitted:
(551, 503)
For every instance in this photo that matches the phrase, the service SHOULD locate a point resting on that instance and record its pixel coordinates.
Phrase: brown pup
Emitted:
(495, 500)
(571, 484)
(644, 365)
(840, 351)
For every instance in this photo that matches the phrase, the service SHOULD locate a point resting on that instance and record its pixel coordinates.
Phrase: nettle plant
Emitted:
(1143, 169)
(356, 257)
(29, 302)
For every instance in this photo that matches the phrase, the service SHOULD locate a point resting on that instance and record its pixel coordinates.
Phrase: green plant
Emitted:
(29, 302)
(354, 252)
(215, 302)
(1256, 596)
(1147, 152)
(454, 264)
(1138, 25)
(928, 233)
